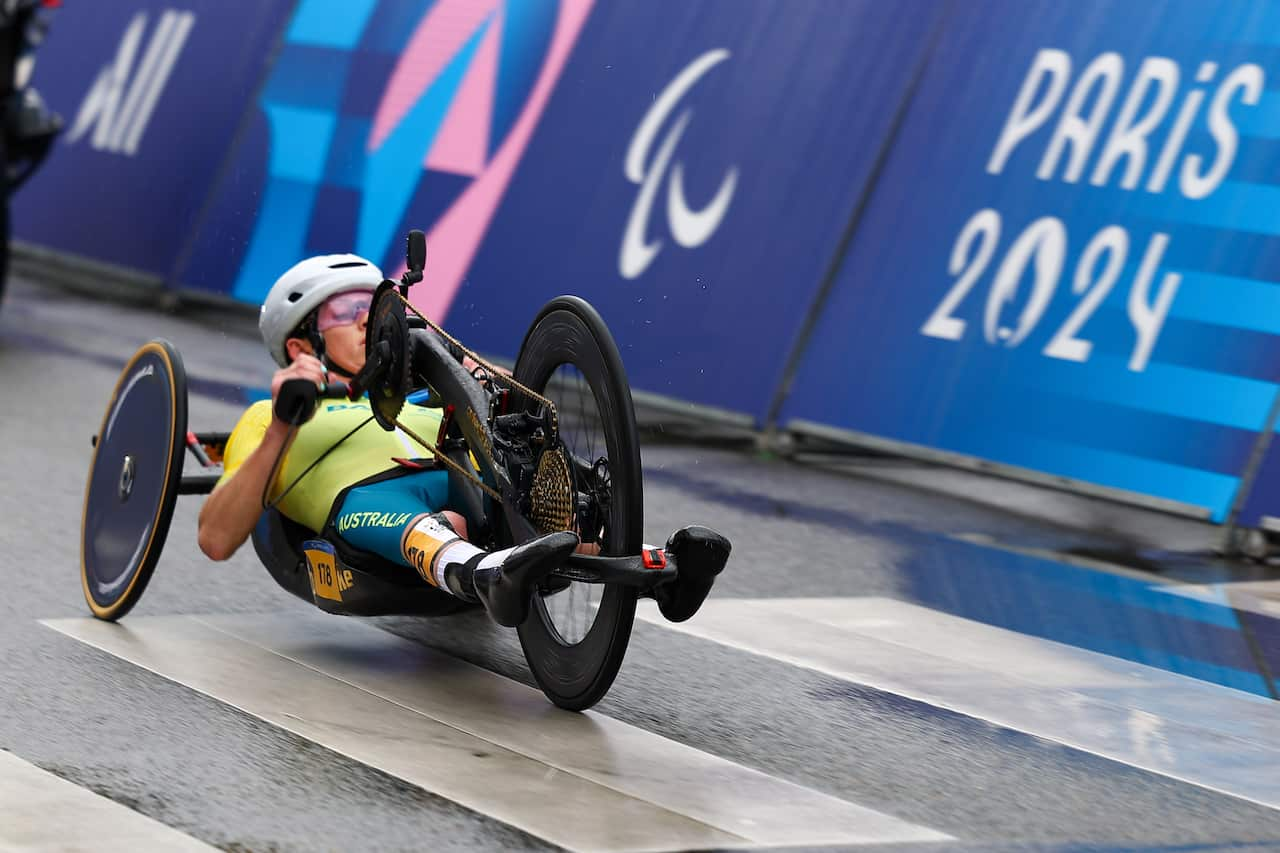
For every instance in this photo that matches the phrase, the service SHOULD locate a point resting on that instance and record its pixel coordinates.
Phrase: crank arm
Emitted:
(628, 571)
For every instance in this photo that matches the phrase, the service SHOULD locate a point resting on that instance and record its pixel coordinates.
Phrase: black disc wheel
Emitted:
(133, 480)
(386, 348)
(577, 633)
(5, 239)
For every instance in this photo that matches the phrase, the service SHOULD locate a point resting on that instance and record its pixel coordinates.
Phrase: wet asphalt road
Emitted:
(240, 784)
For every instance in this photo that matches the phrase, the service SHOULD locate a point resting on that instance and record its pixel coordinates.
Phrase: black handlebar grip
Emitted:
(336, 391)
(296, 401)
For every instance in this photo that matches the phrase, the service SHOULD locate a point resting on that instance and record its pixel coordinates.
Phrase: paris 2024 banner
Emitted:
(1070, 261)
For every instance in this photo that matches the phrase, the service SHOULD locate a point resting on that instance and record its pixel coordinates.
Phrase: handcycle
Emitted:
(550, 445)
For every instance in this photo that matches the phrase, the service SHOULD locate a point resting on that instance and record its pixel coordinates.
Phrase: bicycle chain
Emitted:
(493, 374)
(460, 470)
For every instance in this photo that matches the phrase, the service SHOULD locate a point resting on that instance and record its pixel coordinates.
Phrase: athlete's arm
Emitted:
(231, 511)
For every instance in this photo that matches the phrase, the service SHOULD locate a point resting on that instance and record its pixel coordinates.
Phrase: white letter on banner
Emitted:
(1023, 118)
(100, 105)
(144, 94)
(122, 99)
(1250, 79)
(1114, 241)
(1129, 137)
(1147, 318)
(1181, 126)
(1044, 243)
(985, 224)
(1080, 133)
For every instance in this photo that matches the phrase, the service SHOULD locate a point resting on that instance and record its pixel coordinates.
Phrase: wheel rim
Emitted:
(571, 610)
(568, 331)
(130, 493)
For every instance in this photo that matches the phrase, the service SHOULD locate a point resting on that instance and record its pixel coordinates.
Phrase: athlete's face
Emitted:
(345, 344)
(343, 320)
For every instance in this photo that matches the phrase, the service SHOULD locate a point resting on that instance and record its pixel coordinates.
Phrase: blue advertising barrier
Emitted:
(1259, 503)
(694, 192)
(1070, 261)
(1040, 237)
(152, 91)
(380, 116)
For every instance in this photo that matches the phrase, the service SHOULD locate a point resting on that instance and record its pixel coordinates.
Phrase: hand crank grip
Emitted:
(296, 399)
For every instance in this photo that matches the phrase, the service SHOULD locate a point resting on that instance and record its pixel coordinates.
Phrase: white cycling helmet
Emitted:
(301, 290)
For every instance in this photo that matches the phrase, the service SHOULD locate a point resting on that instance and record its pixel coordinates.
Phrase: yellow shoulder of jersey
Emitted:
(245, 438)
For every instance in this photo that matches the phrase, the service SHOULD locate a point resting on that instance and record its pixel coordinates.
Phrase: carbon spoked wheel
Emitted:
(133, 480)
(576, 635)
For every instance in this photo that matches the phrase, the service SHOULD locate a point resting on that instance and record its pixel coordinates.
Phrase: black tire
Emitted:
(5, 238)
(133, 480)
(569, 332)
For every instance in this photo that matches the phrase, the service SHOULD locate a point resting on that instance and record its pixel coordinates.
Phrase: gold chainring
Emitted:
(551, 500)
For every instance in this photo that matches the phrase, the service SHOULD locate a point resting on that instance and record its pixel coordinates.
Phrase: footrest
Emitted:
(644, 571)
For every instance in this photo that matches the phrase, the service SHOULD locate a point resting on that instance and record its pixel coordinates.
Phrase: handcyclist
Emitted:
(341, 472)
(342, 465)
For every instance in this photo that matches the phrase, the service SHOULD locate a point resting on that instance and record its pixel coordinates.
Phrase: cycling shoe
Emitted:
(700, 554)
(505, 590)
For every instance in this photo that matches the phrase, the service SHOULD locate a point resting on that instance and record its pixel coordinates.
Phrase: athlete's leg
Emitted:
(388, 518)
(373, 517)
(503, 581)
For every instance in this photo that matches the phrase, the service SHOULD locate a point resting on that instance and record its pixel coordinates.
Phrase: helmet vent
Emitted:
(345, 264)
(295, 296)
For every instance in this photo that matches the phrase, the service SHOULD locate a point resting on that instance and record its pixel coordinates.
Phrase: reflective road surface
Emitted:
(881, 667)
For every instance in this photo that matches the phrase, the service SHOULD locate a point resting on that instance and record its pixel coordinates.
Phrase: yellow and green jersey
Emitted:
(368, 451)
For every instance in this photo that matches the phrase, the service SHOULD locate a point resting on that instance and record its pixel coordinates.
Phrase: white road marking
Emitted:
(41, 811)
(583, 781)
(1210, 736)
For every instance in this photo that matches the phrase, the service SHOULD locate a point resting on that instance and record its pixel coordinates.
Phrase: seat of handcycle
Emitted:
(367, 585)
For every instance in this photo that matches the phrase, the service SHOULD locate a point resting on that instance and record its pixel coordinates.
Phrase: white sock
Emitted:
(453, 554)
(495, 558)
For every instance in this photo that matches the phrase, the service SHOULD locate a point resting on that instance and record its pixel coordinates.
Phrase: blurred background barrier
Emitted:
(1032, 237)
(690, 172)
(153, 92)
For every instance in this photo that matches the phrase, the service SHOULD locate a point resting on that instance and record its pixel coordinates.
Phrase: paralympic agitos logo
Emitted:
(651, 169)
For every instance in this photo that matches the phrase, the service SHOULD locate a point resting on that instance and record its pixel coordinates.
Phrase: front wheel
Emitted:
(577, 633)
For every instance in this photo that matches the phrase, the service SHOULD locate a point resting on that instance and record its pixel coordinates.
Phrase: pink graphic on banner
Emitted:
(436, 42)
(456, 236)
(462, 146)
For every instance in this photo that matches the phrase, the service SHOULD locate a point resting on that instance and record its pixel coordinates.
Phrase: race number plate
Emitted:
(327, 580)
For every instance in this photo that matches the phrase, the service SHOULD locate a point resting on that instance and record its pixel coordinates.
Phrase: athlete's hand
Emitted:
(306, 367)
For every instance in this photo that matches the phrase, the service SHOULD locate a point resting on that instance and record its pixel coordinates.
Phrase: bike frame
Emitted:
(469, 406)
(465, 398)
